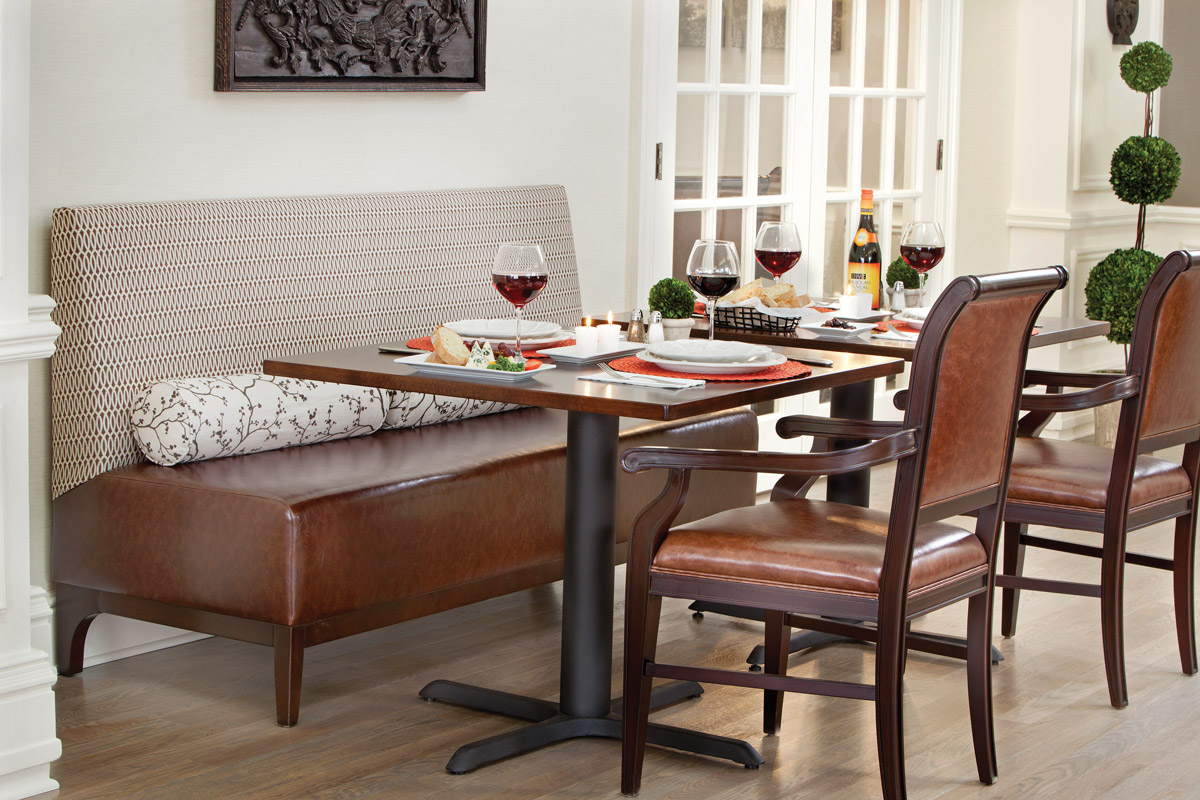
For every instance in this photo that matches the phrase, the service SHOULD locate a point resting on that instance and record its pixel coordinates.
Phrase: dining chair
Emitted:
(796, 557)
(1115, 491)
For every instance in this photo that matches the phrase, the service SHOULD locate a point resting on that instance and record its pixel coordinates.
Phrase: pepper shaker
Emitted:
(654, 333)
(636, 331)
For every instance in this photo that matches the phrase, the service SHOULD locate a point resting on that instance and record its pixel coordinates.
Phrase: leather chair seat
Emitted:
(1073, 475)
(816, 545)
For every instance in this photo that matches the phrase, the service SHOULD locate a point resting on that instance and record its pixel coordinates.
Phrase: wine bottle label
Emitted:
(865, 280)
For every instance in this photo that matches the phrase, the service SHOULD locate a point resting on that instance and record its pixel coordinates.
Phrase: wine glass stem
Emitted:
(921, 289)
(712, 317)
(520, 353)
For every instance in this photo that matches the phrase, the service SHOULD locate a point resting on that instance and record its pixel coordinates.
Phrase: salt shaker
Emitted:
(636, 331)
(898, 297)
(654, 333)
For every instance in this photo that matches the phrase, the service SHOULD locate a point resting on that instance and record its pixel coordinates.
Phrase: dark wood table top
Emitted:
(1053, 330)
(559, 388)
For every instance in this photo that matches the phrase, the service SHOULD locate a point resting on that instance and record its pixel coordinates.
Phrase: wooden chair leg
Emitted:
(1112, 622)
(289, 668)
(74, 610)
(641, 640)
(1184, 580)
(889, 720)
(776, 649)
(979, 684)
(1014, 564)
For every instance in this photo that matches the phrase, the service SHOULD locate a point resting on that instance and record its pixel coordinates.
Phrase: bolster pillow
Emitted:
(192, 419)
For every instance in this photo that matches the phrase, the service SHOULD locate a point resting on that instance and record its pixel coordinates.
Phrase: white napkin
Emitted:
(896, 336)
(655, 382)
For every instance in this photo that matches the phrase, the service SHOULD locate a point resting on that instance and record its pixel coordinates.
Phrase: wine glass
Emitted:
(922, 247)
(777, 247)
(712, 270)
(519, 273)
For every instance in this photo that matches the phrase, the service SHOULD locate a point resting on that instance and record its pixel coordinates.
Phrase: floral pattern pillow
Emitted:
(414, 409)
(192, 419)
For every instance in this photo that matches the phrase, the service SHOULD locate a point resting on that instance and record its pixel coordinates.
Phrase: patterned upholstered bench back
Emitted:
(162, 290)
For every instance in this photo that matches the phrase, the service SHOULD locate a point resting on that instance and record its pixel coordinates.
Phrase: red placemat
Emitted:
(426, 343)
(904, 327)
(788, 369)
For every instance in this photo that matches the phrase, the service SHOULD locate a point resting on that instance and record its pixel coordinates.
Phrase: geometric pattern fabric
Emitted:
(153, 291)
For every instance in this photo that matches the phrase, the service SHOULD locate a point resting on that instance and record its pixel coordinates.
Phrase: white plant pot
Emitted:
(677, 328)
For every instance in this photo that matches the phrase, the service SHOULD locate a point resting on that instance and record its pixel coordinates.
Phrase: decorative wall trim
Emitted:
(26, 679)
(5, 502)
(1070, 220)
(1173, 215)
(41, 621)
(32, 338)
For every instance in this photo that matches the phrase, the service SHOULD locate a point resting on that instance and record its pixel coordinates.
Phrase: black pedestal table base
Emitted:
(585, 671)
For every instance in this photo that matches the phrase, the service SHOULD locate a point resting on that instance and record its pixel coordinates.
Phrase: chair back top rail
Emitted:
(149, 291)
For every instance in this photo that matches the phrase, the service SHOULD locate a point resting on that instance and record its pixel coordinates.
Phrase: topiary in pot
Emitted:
(900, 271)
(1114, 289)
(1145, 170)
(672, 298)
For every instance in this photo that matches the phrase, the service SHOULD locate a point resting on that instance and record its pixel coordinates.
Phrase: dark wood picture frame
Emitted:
(350, 45)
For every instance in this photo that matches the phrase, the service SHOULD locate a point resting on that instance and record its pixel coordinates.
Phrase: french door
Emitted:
(786, 109)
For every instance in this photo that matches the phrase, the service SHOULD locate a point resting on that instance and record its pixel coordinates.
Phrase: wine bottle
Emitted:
(866, 260)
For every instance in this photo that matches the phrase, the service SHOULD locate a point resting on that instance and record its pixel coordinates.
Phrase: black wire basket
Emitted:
(749, 319)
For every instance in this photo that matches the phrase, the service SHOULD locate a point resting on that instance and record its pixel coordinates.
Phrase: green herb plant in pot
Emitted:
(676, 302)
(900, 272)
(1145, 170)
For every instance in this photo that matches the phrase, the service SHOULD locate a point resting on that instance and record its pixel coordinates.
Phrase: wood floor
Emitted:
(197, 721)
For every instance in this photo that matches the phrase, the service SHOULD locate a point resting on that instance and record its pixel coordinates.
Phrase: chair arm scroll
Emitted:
(801, 425)
(1106, 392)
(889, 448)
(1074, 380)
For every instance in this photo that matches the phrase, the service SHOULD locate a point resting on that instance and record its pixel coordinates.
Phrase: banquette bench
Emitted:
(295, 547)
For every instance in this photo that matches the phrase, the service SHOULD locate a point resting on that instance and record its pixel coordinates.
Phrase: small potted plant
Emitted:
(900, 272)
(674, 299)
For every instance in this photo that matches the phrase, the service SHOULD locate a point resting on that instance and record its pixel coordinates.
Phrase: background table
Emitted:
(585, 677)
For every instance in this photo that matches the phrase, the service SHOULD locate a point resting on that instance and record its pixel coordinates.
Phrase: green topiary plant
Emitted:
(672, 298)
(1115, 288)
(900, 271)
(1146, 67)
(1145, 170)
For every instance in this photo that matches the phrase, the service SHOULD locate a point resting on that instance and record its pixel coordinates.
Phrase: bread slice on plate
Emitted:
(449, 347)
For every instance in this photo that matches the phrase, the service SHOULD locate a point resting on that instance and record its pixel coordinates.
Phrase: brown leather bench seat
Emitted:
(300, 546)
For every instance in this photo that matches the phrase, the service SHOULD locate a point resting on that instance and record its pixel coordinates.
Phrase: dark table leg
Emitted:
(585, 707)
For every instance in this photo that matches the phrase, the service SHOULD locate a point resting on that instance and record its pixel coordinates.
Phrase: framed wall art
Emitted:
(350, 45)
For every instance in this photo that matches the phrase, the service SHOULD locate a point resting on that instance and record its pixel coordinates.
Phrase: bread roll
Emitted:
(449, 347)
(753, 289)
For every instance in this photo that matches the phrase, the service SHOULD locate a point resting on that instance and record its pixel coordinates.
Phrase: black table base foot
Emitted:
(549, 726)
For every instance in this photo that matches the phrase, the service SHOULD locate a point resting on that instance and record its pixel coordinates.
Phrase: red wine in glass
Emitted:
(519, 289)
(922, 257)
(777, 262)
(713, 285)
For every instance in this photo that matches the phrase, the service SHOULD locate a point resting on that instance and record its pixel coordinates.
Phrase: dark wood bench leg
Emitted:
(289, 666)
(74, 610)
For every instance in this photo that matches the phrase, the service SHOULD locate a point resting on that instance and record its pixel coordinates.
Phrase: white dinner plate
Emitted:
(501, 329)
(914, 322)
(838, 333)
(574, 354)
(419, 363)
(707, 351)
(709, 368)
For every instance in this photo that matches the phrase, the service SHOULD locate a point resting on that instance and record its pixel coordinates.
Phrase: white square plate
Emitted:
(575, 354)
(838, 333)
(419, 363)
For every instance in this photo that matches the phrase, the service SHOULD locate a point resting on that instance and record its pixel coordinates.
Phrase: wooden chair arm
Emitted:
(1075, 380)
(801, 425)
(1107, 392)
(834, 462)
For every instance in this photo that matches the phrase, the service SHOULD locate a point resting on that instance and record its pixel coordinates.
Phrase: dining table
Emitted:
(585, 707)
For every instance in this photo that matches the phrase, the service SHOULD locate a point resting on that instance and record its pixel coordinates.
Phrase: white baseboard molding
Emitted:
(111, 638)
(27, 739)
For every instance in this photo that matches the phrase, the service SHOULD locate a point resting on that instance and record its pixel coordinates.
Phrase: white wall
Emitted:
(124, 110)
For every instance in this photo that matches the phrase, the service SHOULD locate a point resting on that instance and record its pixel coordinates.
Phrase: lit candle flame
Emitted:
(610, 322)
(588, 322)
(850, 289)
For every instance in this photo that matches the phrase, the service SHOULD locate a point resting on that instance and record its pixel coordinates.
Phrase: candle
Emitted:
(608, 335)
(586, 336)
(854, 304)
